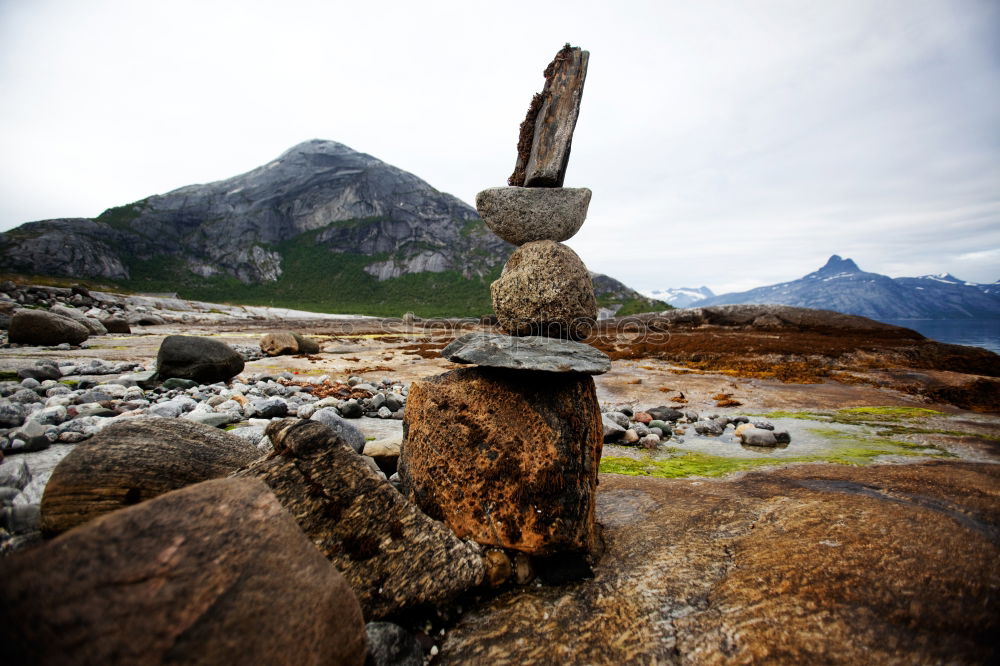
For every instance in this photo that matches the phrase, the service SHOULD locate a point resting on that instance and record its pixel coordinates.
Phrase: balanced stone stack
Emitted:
(506, 453)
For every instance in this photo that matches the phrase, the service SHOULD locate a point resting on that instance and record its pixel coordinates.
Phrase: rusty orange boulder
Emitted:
(506, 458)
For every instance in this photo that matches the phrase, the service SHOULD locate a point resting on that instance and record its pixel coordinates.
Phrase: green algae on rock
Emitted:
(855, 446)
(889, 412)
(687, 464)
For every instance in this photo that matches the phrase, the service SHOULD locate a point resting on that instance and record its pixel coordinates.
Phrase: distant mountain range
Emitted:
(843, 287)
(680, 297)
(322, 227)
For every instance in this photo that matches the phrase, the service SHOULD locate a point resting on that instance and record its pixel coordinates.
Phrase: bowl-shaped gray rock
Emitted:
(521, 215)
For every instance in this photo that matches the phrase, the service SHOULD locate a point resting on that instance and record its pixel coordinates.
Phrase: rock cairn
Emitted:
(544, 289)
(507, 453)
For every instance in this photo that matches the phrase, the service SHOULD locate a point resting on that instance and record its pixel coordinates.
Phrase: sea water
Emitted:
(983, 333)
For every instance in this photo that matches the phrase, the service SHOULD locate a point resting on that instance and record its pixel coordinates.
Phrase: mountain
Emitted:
(614, 299)
(322, 227)
(680, 297)
(842, 286)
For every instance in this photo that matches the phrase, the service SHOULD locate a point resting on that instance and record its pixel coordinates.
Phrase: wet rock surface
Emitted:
(213, 573)
(133, 461)
(506, 458)
(391, 645)
(810, 564)
(531, 352)
(393, 556)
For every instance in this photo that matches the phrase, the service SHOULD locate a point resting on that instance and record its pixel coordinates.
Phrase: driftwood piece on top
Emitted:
(546, 135)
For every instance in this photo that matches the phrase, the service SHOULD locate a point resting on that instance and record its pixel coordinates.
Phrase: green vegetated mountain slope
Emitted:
(322, 227)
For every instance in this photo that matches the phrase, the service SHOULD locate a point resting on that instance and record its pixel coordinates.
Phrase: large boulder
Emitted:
(393, 555)
(279, 343)
(217, 573)
(306, 345)
(545, 289)
(133, 461)
(506, 458)
(202, 359)
(521, 215)
(38, 327)
(93, 325)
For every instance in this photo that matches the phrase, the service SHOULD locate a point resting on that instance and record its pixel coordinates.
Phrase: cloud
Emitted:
(727, 144)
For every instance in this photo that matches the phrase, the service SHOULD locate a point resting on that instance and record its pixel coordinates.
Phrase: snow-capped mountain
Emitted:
(680, 297)
(841, 286)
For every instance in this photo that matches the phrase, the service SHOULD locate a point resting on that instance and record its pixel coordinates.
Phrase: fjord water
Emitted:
(983, 333)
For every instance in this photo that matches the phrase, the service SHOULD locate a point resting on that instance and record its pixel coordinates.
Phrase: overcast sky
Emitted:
(728, 143)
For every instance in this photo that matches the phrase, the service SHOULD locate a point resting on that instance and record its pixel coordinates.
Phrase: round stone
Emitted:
(545, 289)
(521, 215)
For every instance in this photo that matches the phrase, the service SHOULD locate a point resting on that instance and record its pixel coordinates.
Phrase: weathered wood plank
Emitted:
(546, 134)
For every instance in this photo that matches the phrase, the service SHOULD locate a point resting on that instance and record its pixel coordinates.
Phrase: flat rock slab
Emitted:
(530, 352)
(521, 215)
(216, 573)
(811, 564)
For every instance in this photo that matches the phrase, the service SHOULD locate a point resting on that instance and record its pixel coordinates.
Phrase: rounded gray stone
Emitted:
(531, 352)
(346, 431)
(545, 289)
(759, 437)
(521, 215)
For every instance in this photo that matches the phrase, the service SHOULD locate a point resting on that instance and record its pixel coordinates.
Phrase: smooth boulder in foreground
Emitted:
(133, 461)
(216, 573)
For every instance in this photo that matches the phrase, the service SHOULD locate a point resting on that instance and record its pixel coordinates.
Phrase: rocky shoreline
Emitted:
(355, 389)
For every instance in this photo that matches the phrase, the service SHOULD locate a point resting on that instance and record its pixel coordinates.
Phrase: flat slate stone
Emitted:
(527, 352)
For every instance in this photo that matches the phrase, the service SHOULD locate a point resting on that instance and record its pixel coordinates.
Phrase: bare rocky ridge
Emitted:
(319, 194)
(353, 202)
